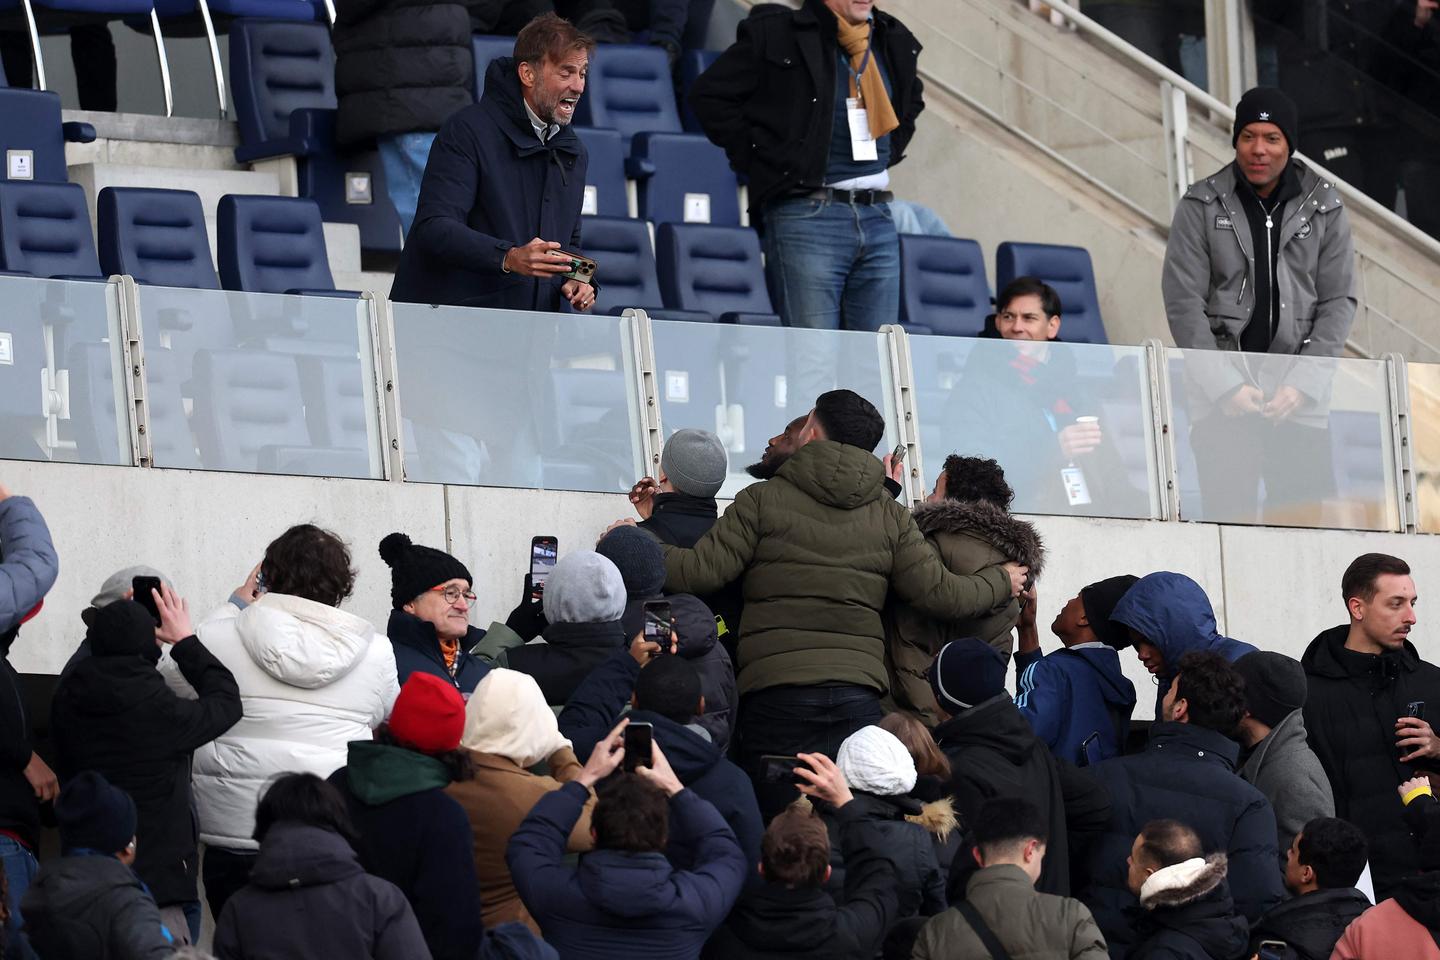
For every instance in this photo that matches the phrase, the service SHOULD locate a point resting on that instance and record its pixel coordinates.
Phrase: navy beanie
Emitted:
(123, 629)
(95, 815)
(415, 569)
(1268, 105)
(637, 556)
(966, 672)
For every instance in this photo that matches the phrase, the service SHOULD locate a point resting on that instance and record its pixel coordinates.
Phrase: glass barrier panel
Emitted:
(746, 384)
(261, 383)
(511, 398)
(1283, 440)
(60, 350)
(1069, 423)
(1424, 379)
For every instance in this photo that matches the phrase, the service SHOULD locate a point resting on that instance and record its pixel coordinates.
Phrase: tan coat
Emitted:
(497, 799)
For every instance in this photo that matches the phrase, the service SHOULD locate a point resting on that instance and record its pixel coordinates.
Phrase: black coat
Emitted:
(401, 66)
(19, 810)
(490, 185)
(879, 824)
(417, 649)
(565, 659)
(117, 716)
(1203, 929)
(681, 520)
(1311, 924)
(769, 100)
(695, 629)
(1350, 713)
(94, 907)
(309, 897)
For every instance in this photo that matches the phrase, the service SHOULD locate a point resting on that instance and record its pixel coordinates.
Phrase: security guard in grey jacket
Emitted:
(1260, 260)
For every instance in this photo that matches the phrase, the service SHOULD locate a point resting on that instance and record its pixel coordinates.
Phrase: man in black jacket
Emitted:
(114, 714)
(814, 106)
(500, 172)
(1321, 869)
(1367, 683)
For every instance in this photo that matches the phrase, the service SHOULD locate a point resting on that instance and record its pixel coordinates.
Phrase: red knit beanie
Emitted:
(429, 715)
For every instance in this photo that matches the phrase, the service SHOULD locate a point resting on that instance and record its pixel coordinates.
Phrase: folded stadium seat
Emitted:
(605, 191)
(626, 268)
(692, 64)
(1070, 272)
(45, 231)
(683, 178)
(245, 400)
(713, 269)
(274, 245)
(32, 137)
(629, 88)
(92, 394)
(583, 409)
(282, 75)
(487, 49)
(943, 287)
(156, 236)
(335, 407)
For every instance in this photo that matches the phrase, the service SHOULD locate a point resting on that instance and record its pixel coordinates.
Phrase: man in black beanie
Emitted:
(1260, 260)
(1277, 758)
(429, 628)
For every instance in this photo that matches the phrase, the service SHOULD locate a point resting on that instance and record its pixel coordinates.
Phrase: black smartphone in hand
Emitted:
(142, 587)
(639, 744)
(657, 623)
(777, 769)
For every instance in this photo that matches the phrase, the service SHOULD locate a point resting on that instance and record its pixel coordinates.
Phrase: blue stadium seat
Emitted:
(273, 245)
(683, 178)
(156, 236)
(335, 407)
(45, 230)
(692, 64)
(629, 89)
(626, 274)
(30, 121)
(605, 193)
(713, 269)
(245, 400)
(283, 77)
(943, 288)
(1070, 272)
(488, 49)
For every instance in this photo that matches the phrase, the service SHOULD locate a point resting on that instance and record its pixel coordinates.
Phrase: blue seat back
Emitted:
(156, 236)
(45, 230)
(487, 50)
(271, 245)
(292, 10)
(245, 400)
(692, 64)
(943, 285)
(30, 120)
(692, 181)
(626, 274)
(277, 67)
(629, 89)
(714, 269)
(604, 172)
(1070, 272)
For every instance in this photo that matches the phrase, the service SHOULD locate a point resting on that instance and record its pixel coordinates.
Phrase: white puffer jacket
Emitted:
(312, 678)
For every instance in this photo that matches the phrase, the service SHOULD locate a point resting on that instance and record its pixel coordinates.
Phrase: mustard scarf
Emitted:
(855, 38)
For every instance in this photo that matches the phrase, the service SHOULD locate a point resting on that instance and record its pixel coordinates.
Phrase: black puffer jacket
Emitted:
(888, 825)
(1350, 713)
(401, 66)
(565, 659)
(1310, 924)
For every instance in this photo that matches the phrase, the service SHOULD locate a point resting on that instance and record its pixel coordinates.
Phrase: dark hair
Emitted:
(1213, 690)
(1006, 821)
(1029, 287)
(311, 563)
(303, 798)
(670, 686)
(849, 418)
(1361, 576)
(975, 478)
(549, 37)
(1165, 843)
(930, 760)
(1335, 849)
(631, 814)
(795, 850)
(459, 766)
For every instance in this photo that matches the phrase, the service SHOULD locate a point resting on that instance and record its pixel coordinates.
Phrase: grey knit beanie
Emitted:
(694, 462)
(584, 587)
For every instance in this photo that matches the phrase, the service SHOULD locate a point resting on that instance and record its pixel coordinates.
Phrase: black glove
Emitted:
(528, 619)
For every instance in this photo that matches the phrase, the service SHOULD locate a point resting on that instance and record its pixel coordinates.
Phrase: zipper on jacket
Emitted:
(1245, 280)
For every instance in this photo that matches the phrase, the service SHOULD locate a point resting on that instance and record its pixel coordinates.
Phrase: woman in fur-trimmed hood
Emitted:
(1185, 908)
(967, 519)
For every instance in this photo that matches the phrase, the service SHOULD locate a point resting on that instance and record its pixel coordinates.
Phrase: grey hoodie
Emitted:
(1286, 770)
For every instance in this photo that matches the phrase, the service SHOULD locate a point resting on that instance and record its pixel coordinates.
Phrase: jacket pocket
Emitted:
(1226, 318)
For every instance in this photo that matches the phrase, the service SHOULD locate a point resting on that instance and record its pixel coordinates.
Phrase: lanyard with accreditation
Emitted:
(862, 142)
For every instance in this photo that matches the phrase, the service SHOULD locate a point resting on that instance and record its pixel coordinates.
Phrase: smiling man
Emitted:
(501, 172)
(1368, 692)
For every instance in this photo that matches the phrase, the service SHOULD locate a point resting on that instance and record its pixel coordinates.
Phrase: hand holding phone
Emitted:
(174, 615)
(544, 551)
(823, 780)
(778, 769)
(639, 745)
(658, 625)
(142, 592)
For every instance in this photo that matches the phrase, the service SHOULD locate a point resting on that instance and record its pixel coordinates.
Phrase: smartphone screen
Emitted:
(775, 769)
(142, 587)
(639, 738)
(657, 623)
(543, 553)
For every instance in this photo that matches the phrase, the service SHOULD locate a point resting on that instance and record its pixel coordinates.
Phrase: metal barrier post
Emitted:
(1176, 113)
(902, 392)
(132, 346)
(646, 390)
(1166, 493)
(1402, 445)
(391, 430)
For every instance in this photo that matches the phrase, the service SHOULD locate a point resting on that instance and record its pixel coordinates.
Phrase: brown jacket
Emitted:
(497, 799)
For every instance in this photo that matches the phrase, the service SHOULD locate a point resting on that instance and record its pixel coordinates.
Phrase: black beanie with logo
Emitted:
(1268, 105)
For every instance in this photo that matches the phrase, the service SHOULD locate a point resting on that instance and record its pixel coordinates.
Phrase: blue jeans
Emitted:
(20, 869)
(404, 156)
(832, 265)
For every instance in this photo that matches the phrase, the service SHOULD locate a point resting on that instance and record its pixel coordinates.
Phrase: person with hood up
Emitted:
(115, 715)
(312, 677)
(1166, 616)
(626, 899)
(308, 896)
(1185, 908)
(508, 730)
(584, 601)
(1187, 770)
(1277, 758)
(431, 597)
(1077, 699)
(642, 567)
(411, 832)
(664, 690)
(1324, 862)
(967, 519)
(88, 902)
(1363, 680)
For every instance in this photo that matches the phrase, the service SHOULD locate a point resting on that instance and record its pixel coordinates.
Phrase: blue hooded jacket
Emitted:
(1070, 694)
(1172, 612)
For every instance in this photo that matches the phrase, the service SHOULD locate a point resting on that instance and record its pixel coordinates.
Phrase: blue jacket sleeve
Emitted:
(28, 564)
(595, 706)
(1254, 861)
(712, 887)
(1043, 696)
(536, 854)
